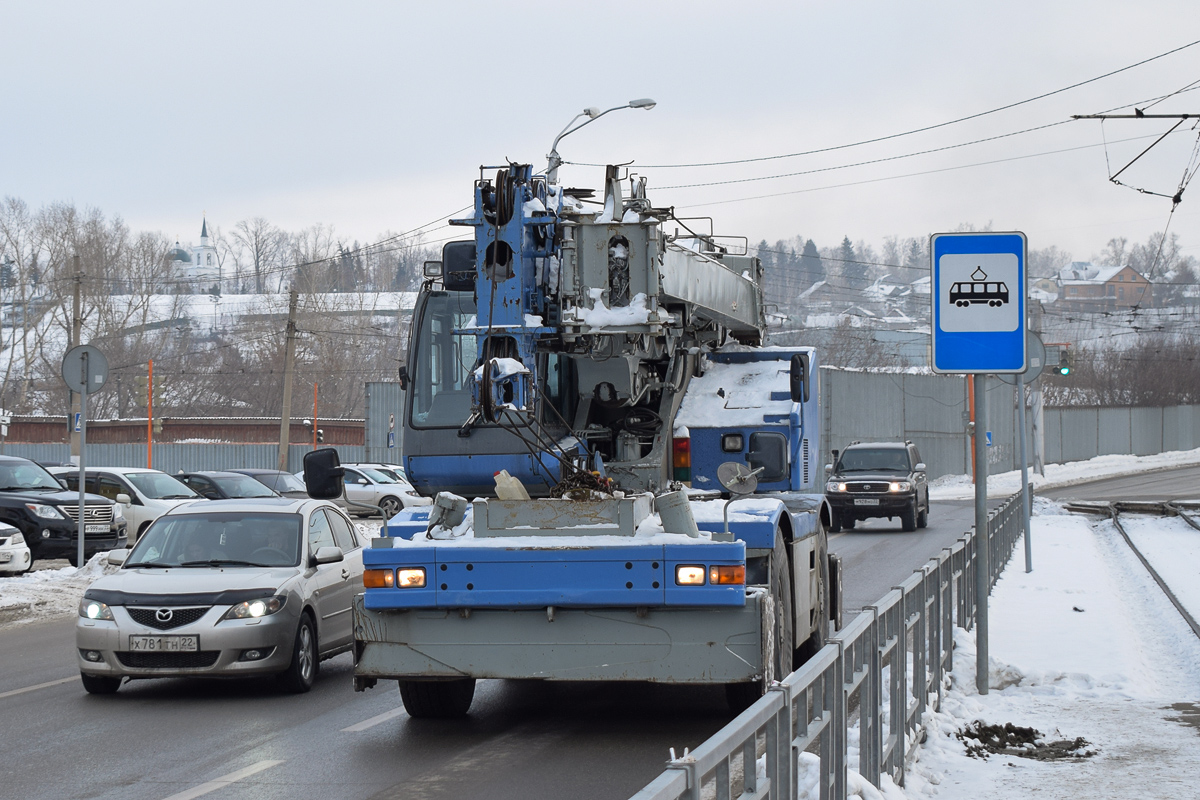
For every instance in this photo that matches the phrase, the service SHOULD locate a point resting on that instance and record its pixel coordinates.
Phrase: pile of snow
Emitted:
(601, 316)
(1005, 484)
(49, 592)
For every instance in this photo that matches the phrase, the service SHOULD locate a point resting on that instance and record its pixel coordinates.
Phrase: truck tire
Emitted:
(437, 699)
(908, 517)
(741, 696)
(816, 640)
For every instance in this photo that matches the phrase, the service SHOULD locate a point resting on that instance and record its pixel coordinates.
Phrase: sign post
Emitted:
(85, 370)
(977, 291)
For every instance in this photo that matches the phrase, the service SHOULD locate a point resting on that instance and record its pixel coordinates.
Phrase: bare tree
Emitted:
(263, 243)
(1114, 253)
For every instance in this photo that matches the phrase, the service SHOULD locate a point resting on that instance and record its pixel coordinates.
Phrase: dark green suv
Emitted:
(877, 479)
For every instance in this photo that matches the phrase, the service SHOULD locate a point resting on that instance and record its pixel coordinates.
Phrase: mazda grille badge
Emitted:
(164, 614)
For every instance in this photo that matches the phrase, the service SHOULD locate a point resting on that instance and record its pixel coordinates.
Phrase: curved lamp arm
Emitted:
(592, 114)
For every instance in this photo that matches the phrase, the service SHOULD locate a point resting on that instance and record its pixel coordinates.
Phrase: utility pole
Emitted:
(76, 340)
(289, 363)
(150, 415)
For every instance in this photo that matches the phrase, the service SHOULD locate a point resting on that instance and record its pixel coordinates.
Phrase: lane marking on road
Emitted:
(223, 781)
(45, 685)
(373, 721)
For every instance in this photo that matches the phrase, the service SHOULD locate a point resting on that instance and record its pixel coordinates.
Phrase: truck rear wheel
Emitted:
(437, 699)
(778, 666)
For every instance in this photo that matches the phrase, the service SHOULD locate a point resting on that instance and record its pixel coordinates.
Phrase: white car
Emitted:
(378, 485)
(15, 557)
(145, 494)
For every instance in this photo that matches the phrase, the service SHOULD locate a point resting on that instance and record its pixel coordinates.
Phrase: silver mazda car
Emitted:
(225, 588)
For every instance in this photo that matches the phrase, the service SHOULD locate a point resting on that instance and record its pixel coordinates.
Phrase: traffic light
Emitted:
(1066, 360)
(158, 393)
(140, 382)
(320, 436)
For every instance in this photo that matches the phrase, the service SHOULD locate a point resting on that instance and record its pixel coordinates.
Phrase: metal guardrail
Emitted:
(892, 660)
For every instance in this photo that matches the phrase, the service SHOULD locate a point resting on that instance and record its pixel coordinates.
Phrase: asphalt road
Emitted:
(182, 739)
(1175, 484)
(877, 554)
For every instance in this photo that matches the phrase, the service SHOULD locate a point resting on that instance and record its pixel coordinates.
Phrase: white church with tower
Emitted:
(198, 265)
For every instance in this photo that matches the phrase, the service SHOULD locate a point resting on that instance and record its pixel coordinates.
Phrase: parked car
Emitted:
(878, 479)
(15, 557)
(283, 483)
(143, 493)
(379, 485)
(47, 515)
(225, 485)
(225, 588)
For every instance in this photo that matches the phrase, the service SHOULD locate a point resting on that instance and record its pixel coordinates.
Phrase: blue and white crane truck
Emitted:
(581, 373)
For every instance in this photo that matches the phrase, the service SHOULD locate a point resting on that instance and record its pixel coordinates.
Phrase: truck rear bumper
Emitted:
(676, 645)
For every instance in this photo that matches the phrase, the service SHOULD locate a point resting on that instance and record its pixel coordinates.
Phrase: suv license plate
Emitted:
(866, 501)
(164, 644)
(96, 528)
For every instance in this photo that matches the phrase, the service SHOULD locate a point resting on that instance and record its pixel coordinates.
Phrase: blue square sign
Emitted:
(978, 295)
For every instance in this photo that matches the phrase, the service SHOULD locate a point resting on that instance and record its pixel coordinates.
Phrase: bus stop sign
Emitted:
(977, 290)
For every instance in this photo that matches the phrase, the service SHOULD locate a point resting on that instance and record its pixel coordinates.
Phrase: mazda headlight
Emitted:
(44, 511)
(253, 609)
(900, 486)
(94, 609)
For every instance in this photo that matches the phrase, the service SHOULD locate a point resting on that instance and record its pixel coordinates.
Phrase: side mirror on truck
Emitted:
(323, 474)
(799, 378)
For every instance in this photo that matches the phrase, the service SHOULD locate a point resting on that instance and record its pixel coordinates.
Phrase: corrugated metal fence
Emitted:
(1076, 434)
(174, 458)
(930, 410)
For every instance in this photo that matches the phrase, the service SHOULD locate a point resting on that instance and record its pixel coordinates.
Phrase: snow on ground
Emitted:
(1086, 646)
(1004, 484)
(49, 592)
(1173, 548)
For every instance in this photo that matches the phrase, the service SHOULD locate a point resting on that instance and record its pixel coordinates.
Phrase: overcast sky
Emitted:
(373, 117)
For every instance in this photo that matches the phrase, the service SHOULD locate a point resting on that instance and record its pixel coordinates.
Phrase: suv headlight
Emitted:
(118, 511)
(17, 539)
(253, 609)
(44, 511)
(900, 486)
(834, 486)
(94, 609)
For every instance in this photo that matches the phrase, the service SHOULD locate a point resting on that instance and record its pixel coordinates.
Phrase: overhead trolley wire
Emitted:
(914, 130)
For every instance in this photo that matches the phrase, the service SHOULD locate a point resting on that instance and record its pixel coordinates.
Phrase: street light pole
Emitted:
(592, 114)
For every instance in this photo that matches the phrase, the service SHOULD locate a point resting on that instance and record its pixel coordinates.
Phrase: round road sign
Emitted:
(85, 369)
(1035, 360)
